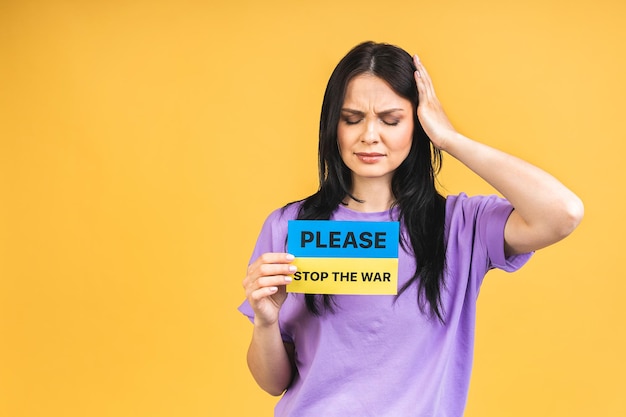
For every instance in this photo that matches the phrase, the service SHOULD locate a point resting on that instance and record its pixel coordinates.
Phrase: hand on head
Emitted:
(430, 112)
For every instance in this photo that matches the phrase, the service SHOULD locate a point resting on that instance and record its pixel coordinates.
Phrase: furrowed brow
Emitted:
(386, 112)
(382, 113)
(352, 111)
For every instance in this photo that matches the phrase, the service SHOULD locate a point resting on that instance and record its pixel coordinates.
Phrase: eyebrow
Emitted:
(382, 113)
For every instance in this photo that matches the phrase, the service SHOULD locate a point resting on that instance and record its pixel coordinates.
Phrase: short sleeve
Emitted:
(476, 233)
(491, 223)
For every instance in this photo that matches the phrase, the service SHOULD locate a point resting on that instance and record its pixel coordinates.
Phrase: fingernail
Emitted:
(290, 257)
(288, 279)
(293, 268)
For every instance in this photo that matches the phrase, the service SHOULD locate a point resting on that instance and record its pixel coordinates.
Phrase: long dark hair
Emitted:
(421, 207)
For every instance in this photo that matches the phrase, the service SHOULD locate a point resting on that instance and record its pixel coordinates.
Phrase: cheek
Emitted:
(404, 140)
(343, 140)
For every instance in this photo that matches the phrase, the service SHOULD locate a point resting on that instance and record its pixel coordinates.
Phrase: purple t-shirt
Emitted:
(379, 355)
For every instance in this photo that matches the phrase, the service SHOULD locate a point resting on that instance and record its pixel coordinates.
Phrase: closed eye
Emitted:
(391, 117)
(393, 122)
(351, 121)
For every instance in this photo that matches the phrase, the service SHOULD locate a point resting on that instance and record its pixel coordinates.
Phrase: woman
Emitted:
(382, 131)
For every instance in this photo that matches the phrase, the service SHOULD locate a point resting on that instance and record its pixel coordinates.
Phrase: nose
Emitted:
(370, 135)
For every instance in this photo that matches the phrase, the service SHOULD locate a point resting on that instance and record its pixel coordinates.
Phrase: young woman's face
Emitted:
(375, 129)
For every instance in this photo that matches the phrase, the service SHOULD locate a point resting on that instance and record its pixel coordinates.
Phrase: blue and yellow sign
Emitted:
(344, 257)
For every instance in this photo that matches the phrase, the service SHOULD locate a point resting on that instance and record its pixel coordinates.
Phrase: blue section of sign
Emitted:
(343, 239)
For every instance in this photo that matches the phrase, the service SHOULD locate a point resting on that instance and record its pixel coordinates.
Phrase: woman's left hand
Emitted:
(429, 110)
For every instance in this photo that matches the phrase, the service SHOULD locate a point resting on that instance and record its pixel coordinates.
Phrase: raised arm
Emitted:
(545, 211)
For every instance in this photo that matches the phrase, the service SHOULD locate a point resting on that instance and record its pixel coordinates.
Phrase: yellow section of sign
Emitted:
(373, 276)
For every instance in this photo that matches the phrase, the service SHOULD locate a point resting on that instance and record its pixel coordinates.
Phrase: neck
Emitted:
(375, 196)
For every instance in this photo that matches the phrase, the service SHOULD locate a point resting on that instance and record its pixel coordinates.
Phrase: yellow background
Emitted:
(142, 144)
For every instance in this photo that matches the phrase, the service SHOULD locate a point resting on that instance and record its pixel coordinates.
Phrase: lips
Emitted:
(369, 157)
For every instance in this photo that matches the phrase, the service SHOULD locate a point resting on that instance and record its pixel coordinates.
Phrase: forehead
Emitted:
(368, 89)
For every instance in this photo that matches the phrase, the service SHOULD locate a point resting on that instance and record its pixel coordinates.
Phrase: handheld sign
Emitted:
(344, 257)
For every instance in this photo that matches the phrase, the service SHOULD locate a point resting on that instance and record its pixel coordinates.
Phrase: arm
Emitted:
(270, 359)
(545, 210)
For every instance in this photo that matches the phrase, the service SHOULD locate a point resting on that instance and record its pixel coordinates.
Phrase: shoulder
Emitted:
(477, 218)
(285, 213)
(273, 234)
(463, 207)
(277, 221)
(481, 220)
